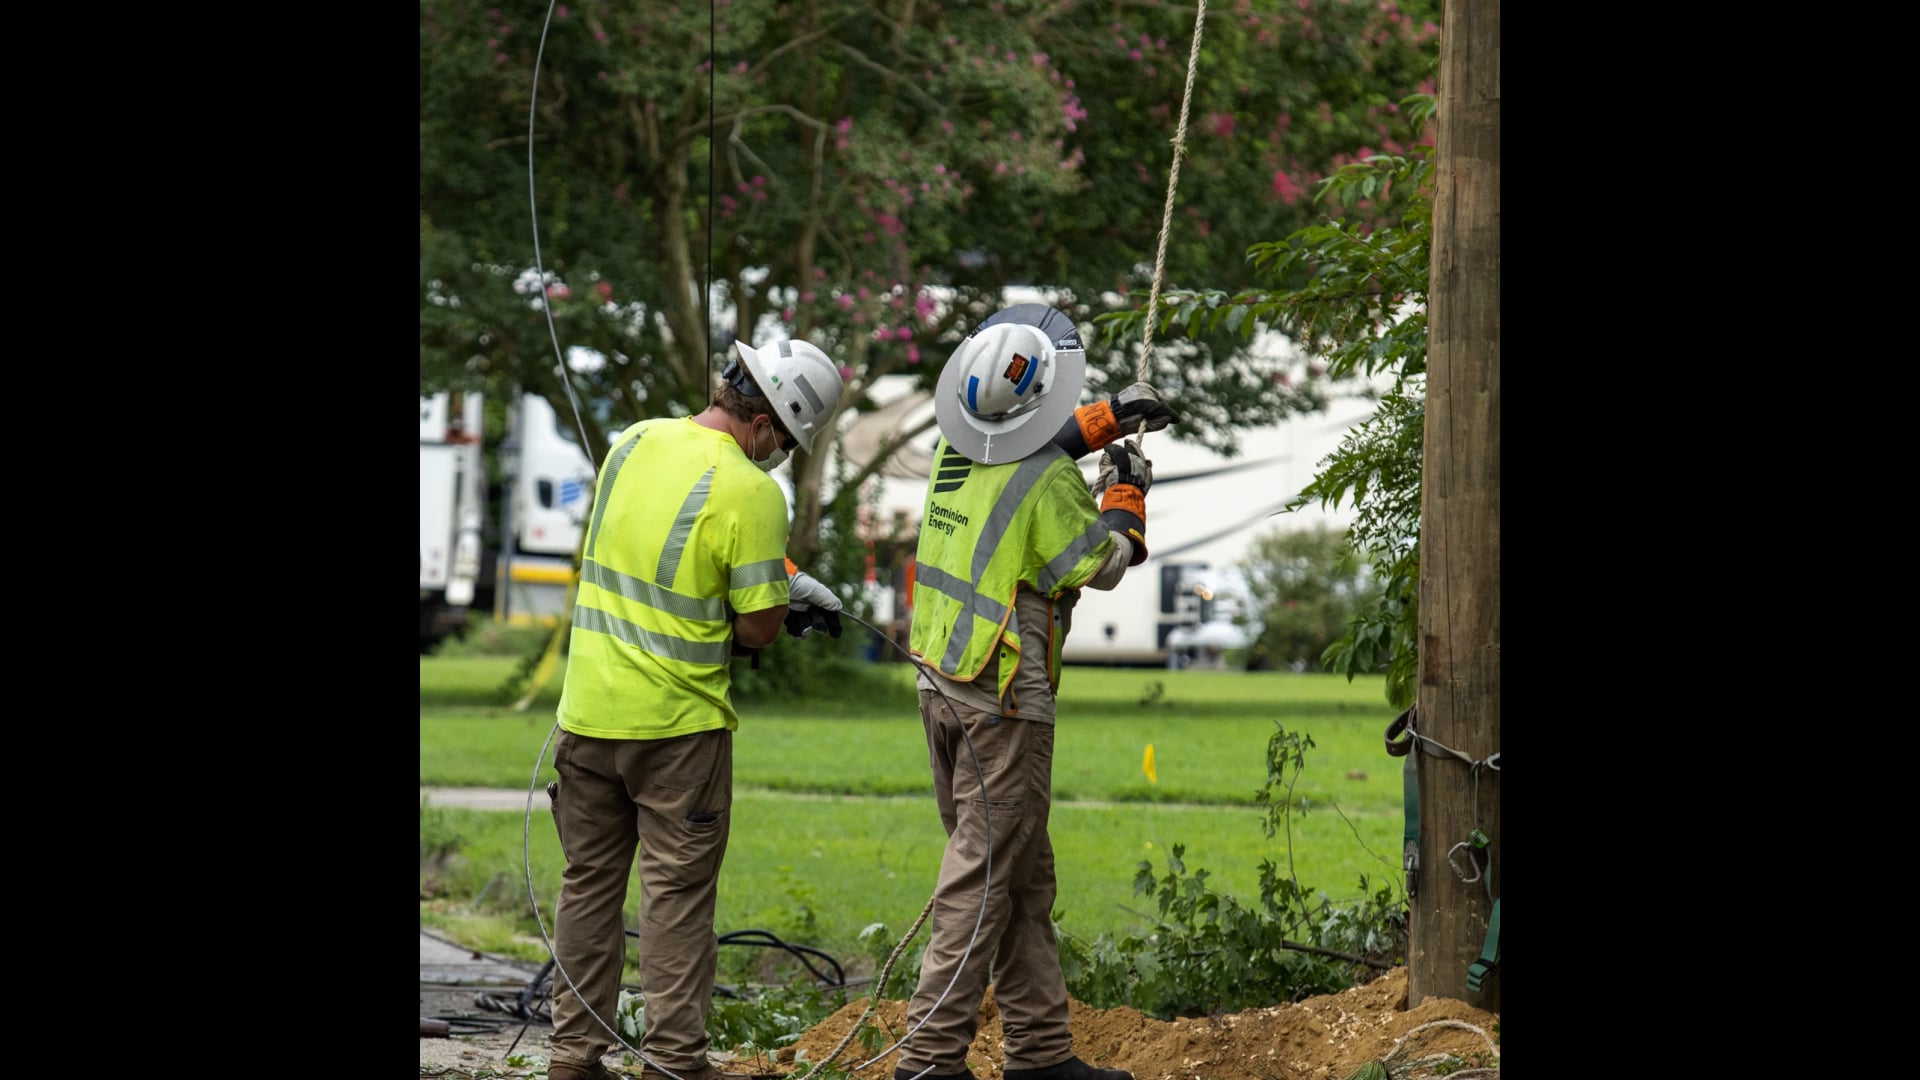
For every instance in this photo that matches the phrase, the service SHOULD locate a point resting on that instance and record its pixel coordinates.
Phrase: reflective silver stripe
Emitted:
(1008, 504)
(1062, 564)
(606, 484)
(1031, 469)
(700, 608)
(682, 526)
(757, 573)
(806, 390)
(959, 592)
(673, 648)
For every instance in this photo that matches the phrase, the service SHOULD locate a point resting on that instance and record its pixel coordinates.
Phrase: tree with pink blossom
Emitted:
(877, 175)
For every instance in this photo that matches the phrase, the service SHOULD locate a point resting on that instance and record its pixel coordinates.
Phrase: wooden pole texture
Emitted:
(1458, 700)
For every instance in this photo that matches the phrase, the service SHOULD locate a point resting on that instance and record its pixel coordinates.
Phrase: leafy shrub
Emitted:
(765, 1019)
(760, 1020)
(1209, 953)
(630, 1016)
(905, 974)
(1305, 586)
(1212, 954)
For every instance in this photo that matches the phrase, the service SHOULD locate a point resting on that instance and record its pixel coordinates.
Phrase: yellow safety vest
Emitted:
(683, 527)
(987, 530)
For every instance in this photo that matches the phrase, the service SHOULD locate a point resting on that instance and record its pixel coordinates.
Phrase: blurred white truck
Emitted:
(520, 569)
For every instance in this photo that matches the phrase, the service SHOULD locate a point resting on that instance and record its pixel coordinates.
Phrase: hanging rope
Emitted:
(1173, 184)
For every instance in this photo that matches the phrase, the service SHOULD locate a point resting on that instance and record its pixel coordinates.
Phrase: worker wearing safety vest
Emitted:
(683, 567)
(1010, 536)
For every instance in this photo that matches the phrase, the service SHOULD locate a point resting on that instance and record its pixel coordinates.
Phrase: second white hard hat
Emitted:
(1011, 384)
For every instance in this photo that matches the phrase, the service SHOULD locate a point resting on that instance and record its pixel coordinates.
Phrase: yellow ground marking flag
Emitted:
(1146, 766)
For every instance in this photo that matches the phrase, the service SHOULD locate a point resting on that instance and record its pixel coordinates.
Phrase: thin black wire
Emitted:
(805, 954)
(471, 1025)
(531, 1004)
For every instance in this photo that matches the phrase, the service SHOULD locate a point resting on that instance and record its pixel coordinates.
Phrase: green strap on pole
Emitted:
(1489, 961)
(1400, 742)
(1410, 846)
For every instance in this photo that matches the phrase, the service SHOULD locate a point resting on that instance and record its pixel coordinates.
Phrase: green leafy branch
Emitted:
(1355, 296)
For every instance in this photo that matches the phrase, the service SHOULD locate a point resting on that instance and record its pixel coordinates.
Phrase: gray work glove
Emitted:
(1123, 463)
(1140, 408)
(811, 606)
(804, 590)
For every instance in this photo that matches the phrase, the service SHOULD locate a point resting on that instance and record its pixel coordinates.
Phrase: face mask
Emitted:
(773, 459)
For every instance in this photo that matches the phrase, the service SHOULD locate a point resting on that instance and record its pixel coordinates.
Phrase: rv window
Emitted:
(545, 489)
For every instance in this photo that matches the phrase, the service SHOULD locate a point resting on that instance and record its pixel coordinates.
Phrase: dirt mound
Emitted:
(1319, 1038)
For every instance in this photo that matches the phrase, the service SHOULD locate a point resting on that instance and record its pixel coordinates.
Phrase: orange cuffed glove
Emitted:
(1123, 498)
(1092, 427)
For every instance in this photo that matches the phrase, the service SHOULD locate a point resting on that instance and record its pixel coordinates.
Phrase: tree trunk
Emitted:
(809, 475)
(1458, 703)
(684, 301)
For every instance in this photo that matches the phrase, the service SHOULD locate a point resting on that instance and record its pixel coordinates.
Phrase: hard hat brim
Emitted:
(995, 442)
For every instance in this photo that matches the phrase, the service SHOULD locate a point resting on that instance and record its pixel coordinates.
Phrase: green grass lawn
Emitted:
(834, 826)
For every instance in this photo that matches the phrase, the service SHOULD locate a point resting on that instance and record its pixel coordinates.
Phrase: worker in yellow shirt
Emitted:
(684, 566)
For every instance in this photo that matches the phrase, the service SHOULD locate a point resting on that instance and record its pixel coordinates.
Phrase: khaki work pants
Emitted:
(672, 798)
(1016, 933)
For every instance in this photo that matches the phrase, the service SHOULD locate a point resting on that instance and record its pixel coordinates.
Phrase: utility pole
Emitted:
(1458, 698)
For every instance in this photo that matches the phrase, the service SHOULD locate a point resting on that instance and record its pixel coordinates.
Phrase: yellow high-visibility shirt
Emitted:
(987, 530)
(685, 534)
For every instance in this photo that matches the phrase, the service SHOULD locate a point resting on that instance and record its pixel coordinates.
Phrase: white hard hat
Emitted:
(800, 380)
(1011, 384)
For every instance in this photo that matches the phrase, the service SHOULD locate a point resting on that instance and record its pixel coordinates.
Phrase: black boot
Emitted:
(1071, 1069)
